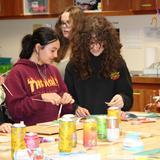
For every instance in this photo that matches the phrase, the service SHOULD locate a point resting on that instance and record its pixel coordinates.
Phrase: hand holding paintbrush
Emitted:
(56, 99)
(116, 101)
(66, 99)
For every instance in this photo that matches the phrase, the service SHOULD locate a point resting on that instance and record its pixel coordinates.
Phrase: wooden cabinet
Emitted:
(115, 5)
(57, 6)
(138, 103)
(145, 6)
(11, 8)
(144, 88)
(14, 8)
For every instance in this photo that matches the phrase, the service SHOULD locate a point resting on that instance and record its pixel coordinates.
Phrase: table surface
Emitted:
(149, 132)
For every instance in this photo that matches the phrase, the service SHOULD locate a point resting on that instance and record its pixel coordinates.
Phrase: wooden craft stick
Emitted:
(59, 113)
(7, 89)
(39, 100)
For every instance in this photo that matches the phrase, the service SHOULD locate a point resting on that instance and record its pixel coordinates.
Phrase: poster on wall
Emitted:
(87, 4)
(35, 7)
(151, 33)
(132, 38)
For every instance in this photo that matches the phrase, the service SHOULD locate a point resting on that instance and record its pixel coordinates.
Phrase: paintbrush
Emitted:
(59, 113)
(39, 100)
(7, 89)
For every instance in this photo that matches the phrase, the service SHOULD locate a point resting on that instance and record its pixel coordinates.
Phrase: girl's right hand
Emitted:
(82, 112)
(67, 99)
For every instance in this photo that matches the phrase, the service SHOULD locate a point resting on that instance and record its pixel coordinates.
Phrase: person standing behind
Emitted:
(97, 73)
(68, 24)
(36, 89)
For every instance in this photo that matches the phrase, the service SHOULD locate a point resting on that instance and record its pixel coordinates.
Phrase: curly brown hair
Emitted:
(77, 16)
(105, 33)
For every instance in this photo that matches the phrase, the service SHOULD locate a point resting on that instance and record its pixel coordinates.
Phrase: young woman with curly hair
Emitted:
(97, 73)
(68, 24)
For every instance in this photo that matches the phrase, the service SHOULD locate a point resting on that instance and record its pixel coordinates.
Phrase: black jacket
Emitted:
(95, 91)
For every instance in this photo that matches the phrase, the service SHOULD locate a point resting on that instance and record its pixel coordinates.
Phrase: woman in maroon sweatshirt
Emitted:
(35, 88)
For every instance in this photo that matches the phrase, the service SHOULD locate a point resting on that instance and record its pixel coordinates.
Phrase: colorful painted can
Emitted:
(74, 137)
(112, 128)
(18, 131)
(102, 127)
(31, 140)
(116, 112)
(90, 132)
(66, 130)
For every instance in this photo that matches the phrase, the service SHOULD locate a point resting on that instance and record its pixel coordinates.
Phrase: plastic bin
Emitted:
(5, 60)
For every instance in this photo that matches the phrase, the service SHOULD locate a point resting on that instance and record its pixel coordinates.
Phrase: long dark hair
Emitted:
(42, 35)
(77, 16)
(105, 33)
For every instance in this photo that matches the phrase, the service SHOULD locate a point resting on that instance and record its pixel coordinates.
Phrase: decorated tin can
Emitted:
(74, 136)
(90, 132)
(116, 112)
(66, 130)
(102, 127)
(112, 128)
(32, 140)
(18, 131)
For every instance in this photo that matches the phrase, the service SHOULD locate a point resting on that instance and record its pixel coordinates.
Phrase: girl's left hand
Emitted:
(5, 127)
(67, 99)
(1, 80)
(116, 101)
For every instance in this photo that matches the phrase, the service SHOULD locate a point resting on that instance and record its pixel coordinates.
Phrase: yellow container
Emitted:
(66, 130)
(18, 131)
(116, 112)
(74, 136)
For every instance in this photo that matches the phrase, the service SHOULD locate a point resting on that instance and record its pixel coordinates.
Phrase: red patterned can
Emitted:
(32, 140)
(90, 132)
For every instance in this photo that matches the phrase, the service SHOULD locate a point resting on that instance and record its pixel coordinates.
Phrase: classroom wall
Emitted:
(136, 34)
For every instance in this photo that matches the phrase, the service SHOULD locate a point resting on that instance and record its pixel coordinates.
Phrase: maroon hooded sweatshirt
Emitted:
(26, 82)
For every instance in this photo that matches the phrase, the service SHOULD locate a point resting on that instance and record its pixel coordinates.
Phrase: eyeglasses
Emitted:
(96, 44)
(65, 24)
